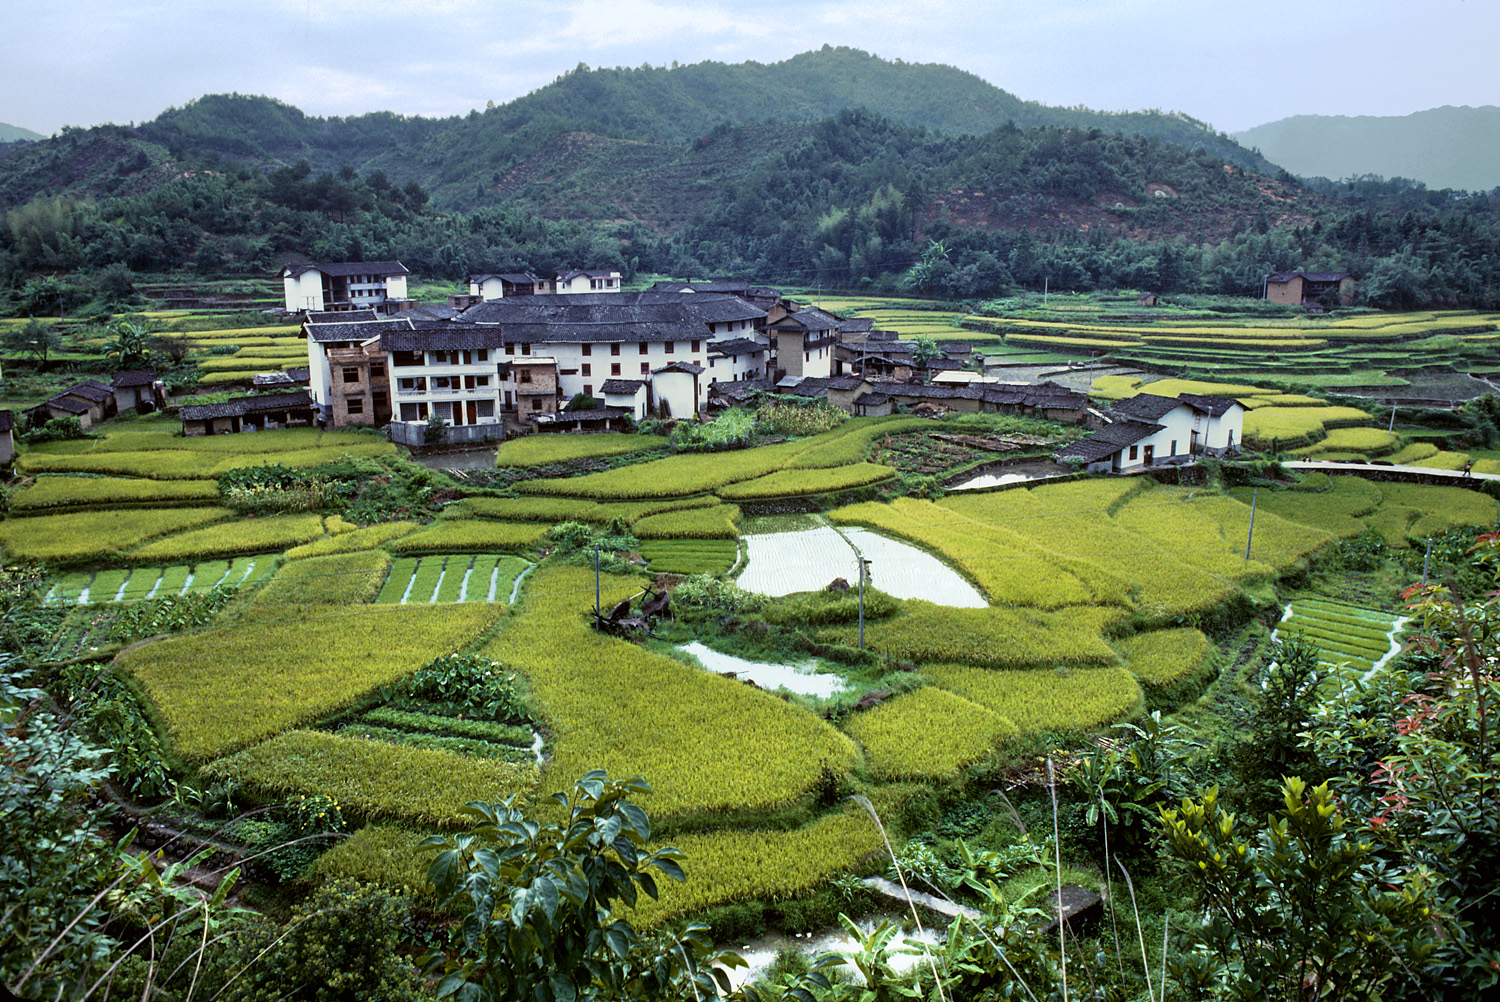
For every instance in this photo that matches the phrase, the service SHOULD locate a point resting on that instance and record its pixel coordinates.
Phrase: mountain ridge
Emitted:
(1446, 147)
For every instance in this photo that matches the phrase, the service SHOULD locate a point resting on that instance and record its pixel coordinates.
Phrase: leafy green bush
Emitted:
(730, 430)
(710, 594)
(465, 680)
(824, 608)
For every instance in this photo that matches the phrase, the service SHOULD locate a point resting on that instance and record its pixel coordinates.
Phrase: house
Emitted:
(803, 343)
(7, 436)
(348, 372)
(138, 390)
(241, 414)
(1310, 288)
(627, 394)
(511, 283)
(575, 282)
(1149, 430)
(679, 389)
(356, 285)
(89, 401)
(1147, 299)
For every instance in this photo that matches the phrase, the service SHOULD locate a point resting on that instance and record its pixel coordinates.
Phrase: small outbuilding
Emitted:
(241, 414)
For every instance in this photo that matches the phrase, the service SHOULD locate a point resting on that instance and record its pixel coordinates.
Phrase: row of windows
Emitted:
(351, 372)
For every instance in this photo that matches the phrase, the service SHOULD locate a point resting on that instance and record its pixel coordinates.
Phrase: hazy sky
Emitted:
(1232, 63)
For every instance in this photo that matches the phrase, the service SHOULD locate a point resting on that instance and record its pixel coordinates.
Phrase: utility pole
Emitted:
(1251, 534)
(863, 565)
(1427, 560)
(1046, 281)
(1393, 419)
(597, 610)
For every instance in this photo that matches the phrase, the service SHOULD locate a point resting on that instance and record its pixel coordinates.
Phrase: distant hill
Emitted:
(1443, 148)
(11, 133)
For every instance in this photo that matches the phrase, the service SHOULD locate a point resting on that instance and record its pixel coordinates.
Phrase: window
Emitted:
(614, 349)
(645, 368)
(510, 347)
(482, 380)
(525, 376)
(671, 346)
(468, 382)
(409, 412)
(645, 347)
(588, 349)
(614, 368)
(695, 346)
(482, 355)
(354, 405)
(1174, 448)
(588, 389)
(536, 403)
(587, 368)
(486, 408)
(507, 400)
(526, 349)
(710, 363)
(1133, 451)
(405, 358)
(351, 374)
(377, 370)
(807, 356)
(381, 397)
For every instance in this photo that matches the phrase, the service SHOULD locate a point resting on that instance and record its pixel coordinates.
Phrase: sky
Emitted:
(1232, 63)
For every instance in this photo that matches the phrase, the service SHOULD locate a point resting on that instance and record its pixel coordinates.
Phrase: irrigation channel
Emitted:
(807, 559)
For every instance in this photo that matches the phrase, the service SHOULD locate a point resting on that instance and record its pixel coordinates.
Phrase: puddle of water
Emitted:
(793, 678)
(781, 563)
(990, 480)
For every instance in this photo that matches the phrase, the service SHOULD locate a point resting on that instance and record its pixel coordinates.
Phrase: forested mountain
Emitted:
(852, 200)
(1443, 148)
(669, 108)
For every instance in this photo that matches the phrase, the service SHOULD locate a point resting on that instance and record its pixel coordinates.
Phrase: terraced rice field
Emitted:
(1343, 634)
(125, 584)
(459, 577)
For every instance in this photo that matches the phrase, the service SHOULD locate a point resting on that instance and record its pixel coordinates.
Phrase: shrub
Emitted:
(730, 430)
(708, 593)
(474, 684)
(58, 429)
(823, 608)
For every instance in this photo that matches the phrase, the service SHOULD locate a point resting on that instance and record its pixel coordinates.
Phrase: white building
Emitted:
(1150, 430)
(514, 283)
(315, 288)
(804, 342)
(575, 282)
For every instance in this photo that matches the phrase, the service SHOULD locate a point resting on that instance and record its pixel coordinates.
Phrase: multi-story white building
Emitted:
(499, 286)
(358, 285)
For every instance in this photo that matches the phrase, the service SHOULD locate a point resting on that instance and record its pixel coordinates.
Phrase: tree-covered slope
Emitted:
(13, 133)
(1443, 148)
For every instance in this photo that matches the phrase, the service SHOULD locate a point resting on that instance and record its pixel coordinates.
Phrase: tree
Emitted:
(1301, 909)
(129, 345)
(41, 295)
(923, 351)
(539, 898)
(36, 339)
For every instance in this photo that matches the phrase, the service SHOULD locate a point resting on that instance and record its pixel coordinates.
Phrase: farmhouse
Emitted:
(1310, 288)
(357, 285)
(1150, 430)
(242, 414)
(803, 342)
(512, 284)
(89, 401)
(575, 282)
(138, 390)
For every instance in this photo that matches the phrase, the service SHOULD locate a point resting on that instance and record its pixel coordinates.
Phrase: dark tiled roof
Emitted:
(691, 367)
(360, 330)
(737, 286)
(1108, 440)
(872, 399)
(740, 389)
(621, 386)
(593, 312)
(855, 325)
(381, 268)
(1146, 406)
(957, 348)
(241, 406)
(1212, 406)
(448, 337)
(342, 317)
(737, 346)
(89, 389)
(1311, 276)
(810, 318)
(431, 311)
(63, 402)
(134, 377)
